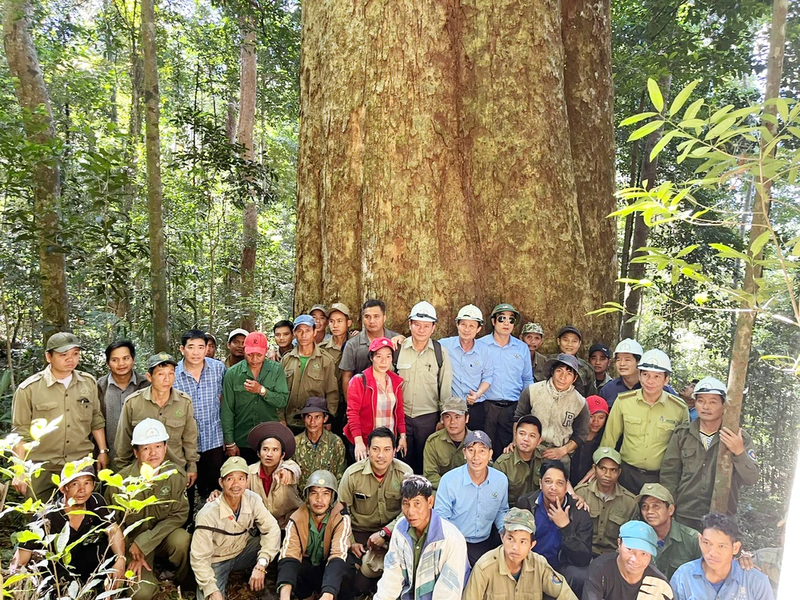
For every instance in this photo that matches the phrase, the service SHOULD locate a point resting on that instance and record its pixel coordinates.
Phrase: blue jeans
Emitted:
(244, 562)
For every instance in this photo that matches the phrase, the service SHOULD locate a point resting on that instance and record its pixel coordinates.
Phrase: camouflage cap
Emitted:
(454, 404)
(519, 519)
(531, 328)
(162, 358)
(656, 490)
(606, 452)
(61, 342)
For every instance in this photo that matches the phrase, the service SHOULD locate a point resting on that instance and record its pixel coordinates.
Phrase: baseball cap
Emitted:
(638, 535)
(532, 328)
(606, 452)
(304, 320)
(232, 465)
(519, 519)
(454, 404)
(597, 404)
(162, 358)
(470, 312)
(504, 307)
(255, 342)
(478, 436)
(570, 329)
(340, 307)
(62, 341)
(149, 431)
(378, 343)
(319, 307)
(423, 311)
(236, 332)
(564, 359)
(600, 348)
(74, 469)
(656, 490)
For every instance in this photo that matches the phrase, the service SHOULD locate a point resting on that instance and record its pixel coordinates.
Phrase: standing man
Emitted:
(60, 390)
(284, 338)
(253, 392)
(533, 336)
(319, 313)
(317, 448)
(201, 378)
(645, 419)
(687, 395)
(309, 372)
(172, 407)
(610, 504)
(339, 323)
(444, 449)
(512, 373)
(599, 359)
(522, 464)
(626, 358)
(471, 363)
(474, 497)
(211, 346)
(570, 339)
(689, 468)
(427, 556)
(427, 380)
(236, 347)
(120, 382)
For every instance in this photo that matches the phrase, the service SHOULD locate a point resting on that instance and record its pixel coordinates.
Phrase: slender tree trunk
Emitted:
(244, 135)
(32, 94)
(743, 338)
(633, 178)
(158, 267)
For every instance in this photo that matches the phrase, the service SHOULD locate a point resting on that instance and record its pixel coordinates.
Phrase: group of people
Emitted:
(407, 467)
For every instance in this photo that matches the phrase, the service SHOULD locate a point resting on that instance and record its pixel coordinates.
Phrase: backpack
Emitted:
(437, 350)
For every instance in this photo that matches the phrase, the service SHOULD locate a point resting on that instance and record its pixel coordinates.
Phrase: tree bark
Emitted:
(244, 135)
(158, 268)
(436, 159)
(34, 99)
(743, 338)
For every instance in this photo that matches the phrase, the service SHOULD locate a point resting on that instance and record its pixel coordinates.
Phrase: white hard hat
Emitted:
(629, 346)
(710, 385)
(470, 312)
(655, 360)
(423, 311)
(149, 431)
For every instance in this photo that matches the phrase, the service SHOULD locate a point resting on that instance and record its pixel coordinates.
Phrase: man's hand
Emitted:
(190, 479)
(102, 461)
(376, 539)
(558, 515)
(252, 386)
(590, 476)
(580, 503)
(215, 596)
(326, 596)
(653, 587)
(232, 450)
(746, 561)
(402, 447)
(257, 578)
(358, 550)
(118, 575)
(137, 561)
(733, 441)
(19, 485)
(285, 476)
(397, 340)
(360, 451)
(472, 397)
(555, 453)
(213, 495)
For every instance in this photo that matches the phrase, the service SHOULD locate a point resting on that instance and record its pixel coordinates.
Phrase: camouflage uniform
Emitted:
(328, 455)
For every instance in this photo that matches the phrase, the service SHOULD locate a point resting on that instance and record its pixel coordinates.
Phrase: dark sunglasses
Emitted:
(505, 319)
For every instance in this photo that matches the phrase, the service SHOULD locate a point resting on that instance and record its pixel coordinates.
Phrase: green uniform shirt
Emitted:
(769, 560)
(372, 504)
(689, 470)
(538, 361)
(316, 541)
(523, 477)
(441, 455)
(328, 454)
(419, 544)
(679, 547)
(646, 429)
(330, 348)
(316, 378)
(607, 515)
(242, 410)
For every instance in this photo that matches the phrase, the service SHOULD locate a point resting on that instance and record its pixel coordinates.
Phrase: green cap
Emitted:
(532, 328)
(162, 358)
(61, 342)
(519, 519)
(656, 490)
(232, 465)
(606, 452)
(503, 308)
(455, 404)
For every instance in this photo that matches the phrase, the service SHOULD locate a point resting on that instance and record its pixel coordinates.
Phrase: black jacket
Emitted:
(576, 538)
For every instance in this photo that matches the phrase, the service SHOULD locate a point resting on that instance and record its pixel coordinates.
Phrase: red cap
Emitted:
(379, 343)
(255, 342)
(597, 404)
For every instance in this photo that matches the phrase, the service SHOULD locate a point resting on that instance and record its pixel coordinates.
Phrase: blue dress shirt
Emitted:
(470, 369)
(512, 369)
(689, 583)
(205, 396)
(473, 508)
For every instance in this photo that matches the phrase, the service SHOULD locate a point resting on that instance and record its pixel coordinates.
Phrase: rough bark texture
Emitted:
(244, 135)
(436, 158)
(743, 338)
(33, 97)
(158, 269)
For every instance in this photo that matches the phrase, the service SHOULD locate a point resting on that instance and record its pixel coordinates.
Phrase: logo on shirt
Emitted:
(568, 419)
(752, 454)
(179, 413)
(556, 579)
(166, 490)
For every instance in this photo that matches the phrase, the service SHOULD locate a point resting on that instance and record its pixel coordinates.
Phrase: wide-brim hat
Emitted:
(315, 404)
(567, 360)
(272, 429)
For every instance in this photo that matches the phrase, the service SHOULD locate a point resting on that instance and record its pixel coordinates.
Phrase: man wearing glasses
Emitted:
(512, 374)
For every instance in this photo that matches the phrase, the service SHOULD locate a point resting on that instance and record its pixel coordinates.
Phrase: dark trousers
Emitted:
(355, 583)
(575, 576)
(249, 455)
(208, 470)
(418, 430)
(632, 478)
(478, 549)
(477, 416)
(499, 424)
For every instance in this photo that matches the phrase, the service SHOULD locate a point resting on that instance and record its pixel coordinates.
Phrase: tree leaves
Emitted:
(655, 94)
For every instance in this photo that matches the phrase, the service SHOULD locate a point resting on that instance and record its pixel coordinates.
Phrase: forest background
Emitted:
(228, 77)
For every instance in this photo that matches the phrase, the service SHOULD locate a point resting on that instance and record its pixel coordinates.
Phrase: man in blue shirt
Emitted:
(626, 361)
(471, 362)
(512, 373)
(717, 576)
(474, 497)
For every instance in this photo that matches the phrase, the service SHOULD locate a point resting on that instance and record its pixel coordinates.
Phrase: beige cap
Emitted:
(340, 307)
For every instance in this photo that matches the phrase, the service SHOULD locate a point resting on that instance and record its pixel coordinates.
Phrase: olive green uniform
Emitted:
(538, 361)
(768, 561)
(679, 547)
(318, 379)
(523, 477)
(441, 455)
(372, 504)
(607, 515)
(41, 396)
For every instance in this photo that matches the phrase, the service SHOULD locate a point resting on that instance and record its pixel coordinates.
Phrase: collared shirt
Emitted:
(608, 515)
(328, 453)
(112, 397)
(470, 369)
(41, 396)
(604, 580)
(617, 386)
(206, 396)
(373, 503)
(317, 378)
(441, 454)
(600, 383)
(679, 547)
(523, 476)
(538, 361)
(419, 543)
(425, 385)
(646, 429)
(689, 583)
(355, 356)
(473, 508)
(512, 369)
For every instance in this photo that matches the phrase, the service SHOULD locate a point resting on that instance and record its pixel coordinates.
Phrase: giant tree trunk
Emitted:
(158, 269)
(244, 135)
(23, 62)
(436, 158)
